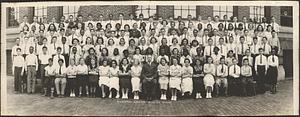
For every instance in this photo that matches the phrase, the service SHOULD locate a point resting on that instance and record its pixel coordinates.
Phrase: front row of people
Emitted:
(126, 80)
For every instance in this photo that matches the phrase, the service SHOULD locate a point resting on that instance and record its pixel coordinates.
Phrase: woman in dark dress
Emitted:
(93, 77)
(125, 77)
(198, 75)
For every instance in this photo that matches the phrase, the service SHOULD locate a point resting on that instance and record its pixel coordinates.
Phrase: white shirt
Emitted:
(223, 49)
(18, 61)
(209, 69)
(272, 63)
(82, 69)
(44, 58)
(234, 71)
(71, 70)
(63, 70)
(220, 72)
(136, 71)
(261, 60)
(208, 50)
(31, 59)
(50, 70)
(255, 48)
(56, 58)
(104, 71)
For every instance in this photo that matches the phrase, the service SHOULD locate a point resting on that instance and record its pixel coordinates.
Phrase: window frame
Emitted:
(188, 9)
(257, 14)
(219, 11)
(148, 9)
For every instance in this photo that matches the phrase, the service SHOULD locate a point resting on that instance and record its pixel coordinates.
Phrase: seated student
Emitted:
(82, 77)
(163, 72)
(249, 57)
(116, 56)
(246, 76)
(209, 81)
(49, 78)
(114, 79)
(18, 68)
(58, 56)
(198, 75)
(222, 74)
(261, 66)
(175, 80)
(104, 77)
(93, 78)
(138, 55)
(187, 82)
(234, 77)
(272, 72)
(185, 55)
(216, 56)
(71, 73)
(136, 70)
(125, 79)
(60, 80)
(162, 54)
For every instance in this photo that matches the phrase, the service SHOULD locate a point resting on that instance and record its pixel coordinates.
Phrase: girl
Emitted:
(125, 79)
(82, 77)
(198, 75)
(163, 72)
(175, 54)
(104, 76)
(110, 47)
(154, 46)
(131, 47)
(175, 44)
(175, 74)
(187, 82)
(114, 79)
(229, 58)
(71, 73)
(209, 71)
(199, 55)
(116, 55)
(87, 46)
(137, 55)
(99, 45)
(93, 77)
(136, 70)
(104, 55)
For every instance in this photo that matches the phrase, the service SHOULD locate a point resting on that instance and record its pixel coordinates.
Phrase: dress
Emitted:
(135, 81)
(104, 75)
(163, 79)
(125, 80)
(114, 79)
(187, 82)
(209, 70)
(175, 80)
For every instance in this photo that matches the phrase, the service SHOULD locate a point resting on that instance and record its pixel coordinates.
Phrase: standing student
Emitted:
(19, 66)
(125, 79)
(175, 74)
(114, 79)
(136, 70)
(58, 56)
(272, 72)
(104, 77)
(71, 73)
(208, 50)
(209, 81)
(261, 66)
(163, 72)
(234, 77)
(44, 57)
(93, 77)
(241, 50)
(60, 80)
(31, 61)
(49, 78)
(82, 77)
(246, 77)
(187, 82)
(198, 75)
(222, 74)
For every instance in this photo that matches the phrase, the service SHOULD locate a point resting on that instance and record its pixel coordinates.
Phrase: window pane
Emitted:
(223, 10)
(184, 11)
(70, 10)
(146, 10)
(257, 11)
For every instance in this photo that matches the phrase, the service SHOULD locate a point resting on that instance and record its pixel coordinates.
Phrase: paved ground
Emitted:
(267, 104)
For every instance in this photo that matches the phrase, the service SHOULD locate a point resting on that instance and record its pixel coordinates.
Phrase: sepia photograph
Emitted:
(150, 58)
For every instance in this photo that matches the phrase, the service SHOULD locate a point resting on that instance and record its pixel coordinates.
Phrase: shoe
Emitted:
(164, 97)
(137, 97)
(118, 96)
(175, 98)
(200, 96)
(161, 97)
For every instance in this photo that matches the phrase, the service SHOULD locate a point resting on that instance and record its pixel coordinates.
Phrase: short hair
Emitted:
(61, 60)
(44, 47)
(50, 59)
(18, 49)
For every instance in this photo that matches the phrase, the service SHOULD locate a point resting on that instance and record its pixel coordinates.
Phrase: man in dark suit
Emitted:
(149, 77)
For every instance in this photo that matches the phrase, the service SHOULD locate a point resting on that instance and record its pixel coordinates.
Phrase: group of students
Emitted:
(127, 58)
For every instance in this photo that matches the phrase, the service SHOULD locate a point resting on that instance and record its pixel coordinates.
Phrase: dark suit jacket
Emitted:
(150, 70)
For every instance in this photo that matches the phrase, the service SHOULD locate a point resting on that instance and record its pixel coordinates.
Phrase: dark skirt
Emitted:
(125, 82)
(272, 75)
(198, 84)
(49, 81)
(82, 80)
(93, 80)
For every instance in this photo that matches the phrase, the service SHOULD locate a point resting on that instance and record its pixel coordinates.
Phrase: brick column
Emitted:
(204, 11)
(165, 11)
(275, 11)
(54, 12)
(243, 11)
(29, 11)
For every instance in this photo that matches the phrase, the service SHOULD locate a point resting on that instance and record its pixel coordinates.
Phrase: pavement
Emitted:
(264, 104)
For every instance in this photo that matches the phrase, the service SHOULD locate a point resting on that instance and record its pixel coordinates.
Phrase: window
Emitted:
(257, 11)
(13, 16)
(146, 10)
(286, 16)
(70, 10)
(40, 12)
(184, 11)
(223, 10)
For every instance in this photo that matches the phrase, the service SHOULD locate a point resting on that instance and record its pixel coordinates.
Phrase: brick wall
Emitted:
(96, 10)
(204, 11)
(165, 11)
(54, 12)
(243, 11)
(275, 11)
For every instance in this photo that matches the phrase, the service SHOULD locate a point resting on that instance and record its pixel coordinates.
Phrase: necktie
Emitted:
(273, 59)
(244, 26)
(64, 49)
(265, 47)
(222, 69)
(221, 49)
(254, 48)
(260, 59)
(242, 49)
(54, 47)
(210, 50)
(235, 25)
(121, 22)
(225, 27)
(75, 58)
(234, 70)
(60, 70)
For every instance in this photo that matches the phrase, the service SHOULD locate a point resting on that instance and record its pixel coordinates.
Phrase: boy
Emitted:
(234, 77)
(261, 69)
(246, 76)
(18, 65)
(273, 64)
(60, 80)
(241, 49)
(43, 58)
(49, 78)
(32, 66)
(222, 73)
